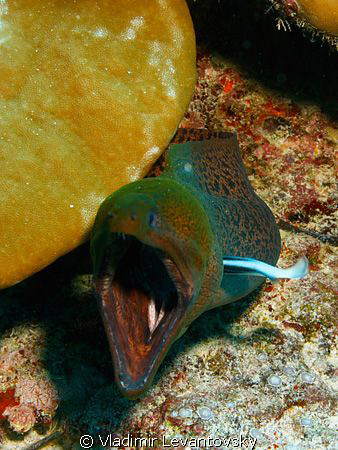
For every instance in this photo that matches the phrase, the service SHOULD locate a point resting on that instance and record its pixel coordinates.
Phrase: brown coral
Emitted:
(38, 393)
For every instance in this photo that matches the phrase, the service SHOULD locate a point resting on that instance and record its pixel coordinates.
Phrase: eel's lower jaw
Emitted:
(140, 324)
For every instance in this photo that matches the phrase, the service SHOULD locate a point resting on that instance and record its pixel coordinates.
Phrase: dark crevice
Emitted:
(326, 239)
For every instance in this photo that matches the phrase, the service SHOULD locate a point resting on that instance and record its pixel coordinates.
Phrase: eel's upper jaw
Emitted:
(143, 299)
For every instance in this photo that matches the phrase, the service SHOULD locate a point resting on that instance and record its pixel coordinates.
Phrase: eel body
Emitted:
(167, 248)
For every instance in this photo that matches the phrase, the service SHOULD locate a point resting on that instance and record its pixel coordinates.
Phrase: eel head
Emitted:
(150, 247)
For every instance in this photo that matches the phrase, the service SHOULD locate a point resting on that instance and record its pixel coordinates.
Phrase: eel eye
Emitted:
(152, 219)
(111, 215)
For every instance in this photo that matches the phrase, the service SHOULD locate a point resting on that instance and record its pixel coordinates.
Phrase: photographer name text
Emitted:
(109, 440)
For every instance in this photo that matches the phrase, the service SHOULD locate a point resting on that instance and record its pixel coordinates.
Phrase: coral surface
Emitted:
(80, 82)
(321, 14)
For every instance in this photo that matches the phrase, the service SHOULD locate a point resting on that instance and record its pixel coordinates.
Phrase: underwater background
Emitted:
(262, 367)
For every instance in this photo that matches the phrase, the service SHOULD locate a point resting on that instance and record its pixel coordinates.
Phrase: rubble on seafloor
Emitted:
(264, 367)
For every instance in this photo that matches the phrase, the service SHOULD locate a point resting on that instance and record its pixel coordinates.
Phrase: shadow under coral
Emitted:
(75, 351)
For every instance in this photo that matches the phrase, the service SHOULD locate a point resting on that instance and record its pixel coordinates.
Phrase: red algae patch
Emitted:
(7, 399)
(91, 92)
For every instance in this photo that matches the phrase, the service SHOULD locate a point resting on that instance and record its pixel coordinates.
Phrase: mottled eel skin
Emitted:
(159, 247)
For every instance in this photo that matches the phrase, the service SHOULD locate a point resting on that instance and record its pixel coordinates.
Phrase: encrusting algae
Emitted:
(91, 92)
(27, 395)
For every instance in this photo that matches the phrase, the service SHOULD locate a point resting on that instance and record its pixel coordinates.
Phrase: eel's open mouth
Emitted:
(143, 297)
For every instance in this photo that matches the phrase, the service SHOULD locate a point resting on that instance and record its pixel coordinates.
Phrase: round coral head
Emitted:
(91, 91)
(322, 14)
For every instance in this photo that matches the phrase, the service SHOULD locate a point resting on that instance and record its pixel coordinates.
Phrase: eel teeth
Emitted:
(106, 282)
(160, 317)
(153, 318)
(151, 315)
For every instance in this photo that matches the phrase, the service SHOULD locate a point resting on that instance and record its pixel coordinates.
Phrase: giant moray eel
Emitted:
(168, 248)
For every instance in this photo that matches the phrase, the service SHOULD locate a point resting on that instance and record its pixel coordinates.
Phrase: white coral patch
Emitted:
(134, 25)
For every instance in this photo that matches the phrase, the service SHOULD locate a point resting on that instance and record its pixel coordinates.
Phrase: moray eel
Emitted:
(168, 248)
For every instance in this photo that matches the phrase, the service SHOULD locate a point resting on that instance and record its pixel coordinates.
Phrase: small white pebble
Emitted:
(231, 405)
(174, 413)
(262, 356)
(307, 377)
(256, 379)
(178, 436)
(204, 413)
(185, 412)
(187, 167)
(306, 421)
(290, 371)
(256, 434)
(332, 447)
(274, 380)
(71, 206)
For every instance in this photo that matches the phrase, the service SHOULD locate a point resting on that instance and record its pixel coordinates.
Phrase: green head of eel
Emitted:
(150, 246)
